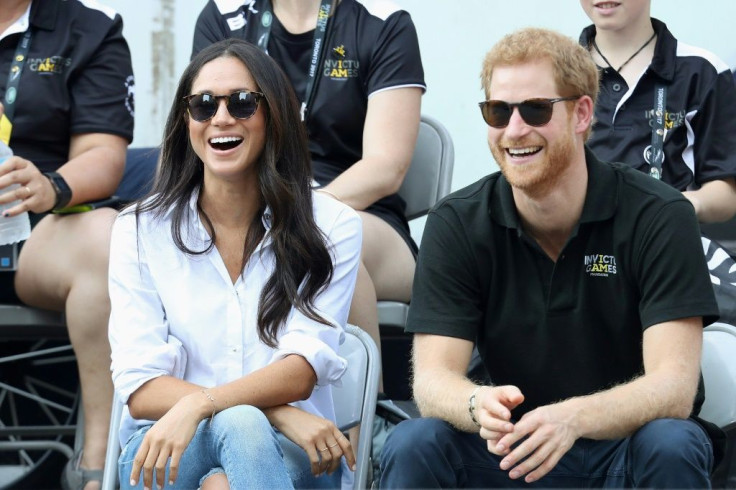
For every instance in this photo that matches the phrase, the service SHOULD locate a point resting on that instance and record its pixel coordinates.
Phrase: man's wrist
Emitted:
(472, 406)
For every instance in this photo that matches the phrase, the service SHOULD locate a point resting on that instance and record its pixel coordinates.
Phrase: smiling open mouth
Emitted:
(523, 152)
(225, 142)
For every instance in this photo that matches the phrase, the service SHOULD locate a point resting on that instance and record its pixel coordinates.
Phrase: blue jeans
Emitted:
(240, 443)
(665, 453)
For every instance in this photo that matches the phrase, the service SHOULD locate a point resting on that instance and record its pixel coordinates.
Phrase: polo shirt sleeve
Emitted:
(142, 348)
(395, 59)
(103, 92)
(446, 296)
(208, 29)
(714, 127)
(670, 266)
(316, 342)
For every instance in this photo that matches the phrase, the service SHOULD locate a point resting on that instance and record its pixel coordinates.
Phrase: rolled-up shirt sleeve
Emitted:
(316, 342)
(142, 348)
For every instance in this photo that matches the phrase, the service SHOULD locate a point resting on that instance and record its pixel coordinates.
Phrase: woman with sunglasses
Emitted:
(230, 286)
(361, 110)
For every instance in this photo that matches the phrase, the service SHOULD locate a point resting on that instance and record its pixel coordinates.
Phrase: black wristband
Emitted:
(61, 188)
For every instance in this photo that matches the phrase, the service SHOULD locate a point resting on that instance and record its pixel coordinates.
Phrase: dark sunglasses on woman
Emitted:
(534, 112)
(241, 104)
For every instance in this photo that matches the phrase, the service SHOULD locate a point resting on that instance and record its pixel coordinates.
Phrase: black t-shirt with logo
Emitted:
(78, 78)
(573, 327)
(364, 54)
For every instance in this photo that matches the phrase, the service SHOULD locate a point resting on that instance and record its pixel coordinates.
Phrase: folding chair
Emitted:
(39, 394)
(355, 403)
(428, 180)
(719, 374)
(355, 400)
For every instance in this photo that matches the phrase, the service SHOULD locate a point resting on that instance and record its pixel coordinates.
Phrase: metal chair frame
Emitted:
(57, 406)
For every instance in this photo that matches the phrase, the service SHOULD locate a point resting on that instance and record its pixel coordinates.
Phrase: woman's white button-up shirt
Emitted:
(180, 315)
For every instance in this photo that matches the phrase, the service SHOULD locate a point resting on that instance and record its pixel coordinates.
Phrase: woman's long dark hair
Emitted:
(303, 264)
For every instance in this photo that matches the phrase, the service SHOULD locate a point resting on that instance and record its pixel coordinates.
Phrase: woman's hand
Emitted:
(319, 437)
(35, 192)
(168, 438)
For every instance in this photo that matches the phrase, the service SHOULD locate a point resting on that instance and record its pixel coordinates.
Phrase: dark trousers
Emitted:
(665, 453)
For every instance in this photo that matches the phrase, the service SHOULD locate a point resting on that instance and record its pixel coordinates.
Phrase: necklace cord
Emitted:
(597, 49)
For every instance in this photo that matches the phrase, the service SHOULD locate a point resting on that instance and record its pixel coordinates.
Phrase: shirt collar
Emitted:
(266, 219)
(600, 197)
(44, 14)
(665, 50)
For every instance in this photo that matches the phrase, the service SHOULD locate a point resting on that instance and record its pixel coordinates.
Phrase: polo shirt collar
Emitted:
(600, 197)
(601, 194)
(665, 50)
(44, 14)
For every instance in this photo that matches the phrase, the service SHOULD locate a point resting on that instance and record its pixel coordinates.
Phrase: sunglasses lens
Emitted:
(536, 112)
(202, 107)
(242, 105)
(496, 113)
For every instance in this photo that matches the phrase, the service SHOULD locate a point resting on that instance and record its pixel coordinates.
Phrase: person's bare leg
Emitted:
(388, 260)
(218, 481)
(363, 311)
(63, 267)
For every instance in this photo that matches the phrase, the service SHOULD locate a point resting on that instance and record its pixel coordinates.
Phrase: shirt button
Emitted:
(616, 87)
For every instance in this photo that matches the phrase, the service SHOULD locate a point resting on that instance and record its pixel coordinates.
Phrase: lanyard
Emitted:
(656, 157)
(326, 9)
(11, 90)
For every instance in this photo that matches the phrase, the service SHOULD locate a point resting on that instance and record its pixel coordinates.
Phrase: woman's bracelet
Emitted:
(214, 407)
(471, 406)
(325, 191)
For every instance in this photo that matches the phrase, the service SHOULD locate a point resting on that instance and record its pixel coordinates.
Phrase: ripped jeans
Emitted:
(240, 443)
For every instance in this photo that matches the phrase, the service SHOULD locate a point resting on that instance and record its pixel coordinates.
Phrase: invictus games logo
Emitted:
(672, 120)
(340, 67)
(600, 265)
(52, 65)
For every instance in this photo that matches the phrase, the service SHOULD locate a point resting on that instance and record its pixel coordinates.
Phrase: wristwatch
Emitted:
(61, 188)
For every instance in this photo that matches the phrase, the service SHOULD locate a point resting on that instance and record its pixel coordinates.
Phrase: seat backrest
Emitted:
(429, 177)
(348, 397)
(719, 374)
(355, 399)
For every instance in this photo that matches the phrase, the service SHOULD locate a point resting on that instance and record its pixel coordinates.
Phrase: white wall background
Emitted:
(453, 35)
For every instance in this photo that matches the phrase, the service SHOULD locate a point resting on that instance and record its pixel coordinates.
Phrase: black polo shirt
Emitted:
(78, 78)
(573, 327)
(699, 141)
